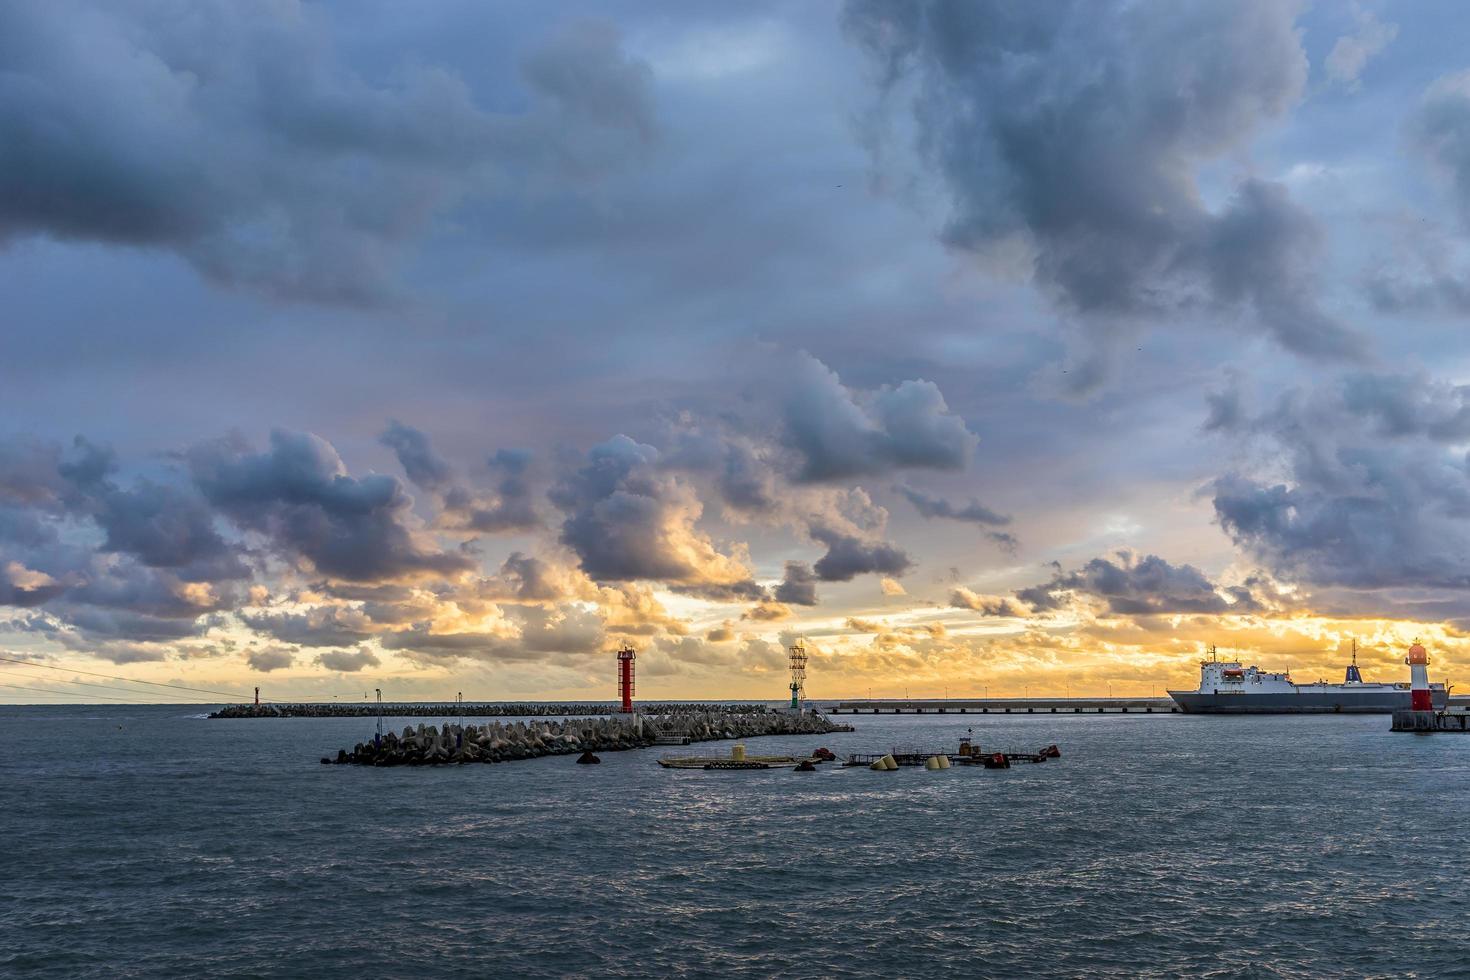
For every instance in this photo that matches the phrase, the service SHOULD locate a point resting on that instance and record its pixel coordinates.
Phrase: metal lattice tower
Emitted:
(798, 672)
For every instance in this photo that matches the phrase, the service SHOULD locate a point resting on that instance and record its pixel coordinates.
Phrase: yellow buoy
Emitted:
(737, 753)
(932, 763)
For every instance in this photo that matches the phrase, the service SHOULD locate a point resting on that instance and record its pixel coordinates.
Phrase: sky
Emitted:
(996, 349)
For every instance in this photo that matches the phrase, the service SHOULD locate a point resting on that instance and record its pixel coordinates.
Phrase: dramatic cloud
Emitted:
(299, 496)
(852, 529)
(1128, 585)
(798, 586)
(419, 461)
(1073, 134)
(628, 521)
(849, 556)
(508, 508)
(26, 587)
(241, 138)
(515, 226)
(1367, 488)
(841, 434)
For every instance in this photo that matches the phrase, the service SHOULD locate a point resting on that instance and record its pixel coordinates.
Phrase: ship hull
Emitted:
(1301, 702)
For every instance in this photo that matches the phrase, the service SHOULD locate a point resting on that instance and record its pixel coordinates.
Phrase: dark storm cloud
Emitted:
(1368, 487)
(841, 434)
(26, 588)
(509, 508)
(418, 459)
(1072, 134)
(299, 495)
(156, 592)
(244, 138)
(111, 563)
(850, 555)
(160, 525)
(1407, 405)
(741, 470)
(723, 591)
(30, 473)
(95, 624)
(798, 585)
(1132, 586)
(167, 527)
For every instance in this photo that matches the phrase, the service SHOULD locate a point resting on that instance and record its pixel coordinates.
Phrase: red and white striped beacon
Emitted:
(1418, 661)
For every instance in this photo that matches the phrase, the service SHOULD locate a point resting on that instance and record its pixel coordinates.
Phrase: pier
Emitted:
(1004, 706)
(467, 709)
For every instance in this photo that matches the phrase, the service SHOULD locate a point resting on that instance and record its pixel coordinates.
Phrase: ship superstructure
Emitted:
(1229, 687)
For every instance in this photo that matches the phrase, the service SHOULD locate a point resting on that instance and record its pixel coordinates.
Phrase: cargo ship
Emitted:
(1227, 687)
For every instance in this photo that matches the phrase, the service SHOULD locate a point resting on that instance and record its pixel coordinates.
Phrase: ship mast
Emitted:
(1354, 676)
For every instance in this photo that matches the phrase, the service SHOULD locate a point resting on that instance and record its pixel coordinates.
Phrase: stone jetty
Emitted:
(451, 744)
(441, 709)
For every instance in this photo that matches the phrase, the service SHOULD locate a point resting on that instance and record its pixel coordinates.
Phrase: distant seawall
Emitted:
(441, 709)
(454, 744)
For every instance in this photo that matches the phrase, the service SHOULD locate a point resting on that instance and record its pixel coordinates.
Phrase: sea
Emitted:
(149, 841)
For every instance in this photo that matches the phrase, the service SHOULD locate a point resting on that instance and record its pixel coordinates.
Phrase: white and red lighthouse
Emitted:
(1418, 661)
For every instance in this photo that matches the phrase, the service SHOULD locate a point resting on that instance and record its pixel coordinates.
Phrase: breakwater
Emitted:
(442, 709)
(1004, 706)
(429, 745)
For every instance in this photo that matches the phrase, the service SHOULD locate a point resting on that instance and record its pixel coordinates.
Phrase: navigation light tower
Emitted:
(625, 677)
(798, 673)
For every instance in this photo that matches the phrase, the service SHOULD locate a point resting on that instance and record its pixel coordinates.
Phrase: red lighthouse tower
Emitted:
(1418, 661)
(625, 677)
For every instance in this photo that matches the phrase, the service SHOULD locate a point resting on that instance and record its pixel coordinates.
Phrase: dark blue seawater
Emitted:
(150, 842)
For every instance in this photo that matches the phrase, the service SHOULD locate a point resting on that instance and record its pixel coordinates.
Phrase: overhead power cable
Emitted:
(71, 694)
(234, 697)
(105, 687)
